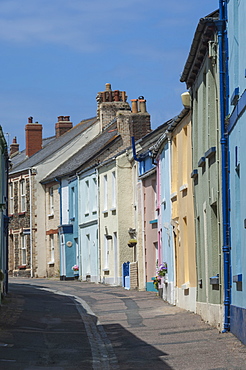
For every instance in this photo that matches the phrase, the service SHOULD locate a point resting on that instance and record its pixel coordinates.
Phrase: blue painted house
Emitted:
(237, 143)
(161, 152)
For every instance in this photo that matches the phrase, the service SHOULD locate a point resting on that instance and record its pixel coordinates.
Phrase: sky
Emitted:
(56, 55)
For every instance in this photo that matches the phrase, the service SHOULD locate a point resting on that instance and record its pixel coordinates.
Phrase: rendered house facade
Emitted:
(183, 211)
(32, 229)
(237, 142)
(202, 78)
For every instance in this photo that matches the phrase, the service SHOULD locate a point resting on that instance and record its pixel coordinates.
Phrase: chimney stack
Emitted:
(33, 137)
(14, 147)
(109, 102)
(63, 125)
(135, 122)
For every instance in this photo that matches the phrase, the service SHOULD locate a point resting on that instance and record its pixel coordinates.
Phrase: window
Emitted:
(11, 198)
(113, 190)
(106, 251)
(51, 200)
(23, 250)
(87, 195)
(22, 195)
(72, 205)
(105, 193)
(94, 195)
(52, 249)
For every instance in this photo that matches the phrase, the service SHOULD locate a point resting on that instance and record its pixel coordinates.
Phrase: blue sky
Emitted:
(57, 54)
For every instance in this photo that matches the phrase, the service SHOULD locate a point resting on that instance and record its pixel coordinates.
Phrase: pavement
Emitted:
(120, 329)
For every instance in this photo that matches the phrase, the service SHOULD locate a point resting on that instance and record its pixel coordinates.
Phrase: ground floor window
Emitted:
(23, 250)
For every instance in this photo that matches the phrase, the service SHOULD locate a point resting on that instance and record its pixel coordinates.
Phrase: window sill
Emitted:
(22, 267)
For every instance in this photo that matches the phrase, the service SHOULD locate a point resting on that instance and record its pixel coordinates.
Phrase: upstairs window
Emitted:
(105, 193)
(113, 190)
(11, 198)
(22, 196)
(51, 200)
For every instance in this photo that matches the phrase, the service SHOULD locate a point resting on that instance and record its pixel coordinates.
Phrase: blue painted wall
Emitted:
(237, 144)
(165, 227)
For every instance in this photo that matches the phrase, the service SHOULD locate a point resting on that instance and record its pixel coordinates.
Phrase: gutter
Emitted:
(223, 73)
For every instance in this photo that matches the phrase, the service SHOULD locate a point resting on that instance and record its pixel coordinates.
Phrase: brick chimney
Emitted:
(14, 147)
(135, 122)
(63, 125)
(33, 137)
(109, 102)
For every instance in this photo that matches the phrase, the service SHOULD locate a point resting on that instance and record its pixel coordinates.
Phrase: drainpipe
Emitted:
(223, 69)
(30, 205)
(134, 150)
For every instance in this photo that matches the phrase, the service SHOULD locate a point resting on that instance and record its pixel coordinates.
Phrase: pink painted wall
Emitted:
(150, 229)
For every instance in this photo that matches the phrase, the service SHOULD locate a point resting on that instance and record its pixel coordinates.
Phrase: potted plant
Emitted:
(75, 269)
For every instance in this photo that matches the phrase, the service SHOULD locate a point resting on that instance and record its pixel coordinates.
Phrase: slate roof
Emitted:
(87, 155)
(199, 47)
(21, 162)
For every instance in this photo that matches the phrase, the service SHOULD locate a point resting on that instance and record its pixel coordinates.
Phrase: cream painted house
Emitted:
(52, 220)
(116, 217)
(183, 211)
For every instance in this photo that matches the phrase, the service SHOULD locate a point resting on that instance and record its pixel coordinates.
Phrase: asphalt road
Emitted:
(52, 324)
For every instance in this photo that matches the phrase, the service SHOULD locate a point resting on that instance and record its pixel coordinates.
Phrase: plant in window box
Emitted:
(162, 269)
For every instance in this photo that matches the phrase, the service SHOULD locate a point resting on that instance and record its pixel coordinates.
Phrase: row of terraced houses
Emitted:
(118, 199)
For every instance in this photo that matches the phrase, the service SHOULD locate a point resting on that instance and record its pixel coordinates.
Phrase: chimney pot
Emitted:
(60, 118)
(30, 120)
(142, 105)
(116, 95)
(108, 87)
(66, 118)
(134, 105)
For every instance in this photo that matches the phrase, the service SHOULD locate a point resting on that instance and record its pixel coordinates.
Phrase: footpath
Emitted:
(137, 330)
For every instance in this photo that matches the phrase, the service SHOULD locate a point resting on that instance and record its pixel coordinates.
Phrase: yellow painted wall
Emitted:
(183, 215)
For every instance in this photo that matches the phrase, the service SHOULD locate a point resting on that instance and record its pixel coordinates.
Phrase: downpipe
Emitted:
(223, 69)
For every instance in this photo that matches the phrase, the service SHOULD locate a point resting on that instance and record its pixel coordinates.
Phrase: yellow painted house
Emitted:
(183, 211)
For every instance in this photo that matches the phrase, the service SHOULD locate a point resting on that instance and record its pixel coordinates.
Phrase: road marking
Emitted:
(103, 355)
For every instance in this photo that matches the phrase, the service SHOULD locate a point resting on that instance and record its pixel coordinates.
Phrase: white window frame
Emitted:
(22, 190)
(11, 198)
(105, 193)
(23, 250)
(52, 248)
(94, 195)
(73, 202)
(113, 200)
(87, 197)
(51, 200)
(106, 253)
